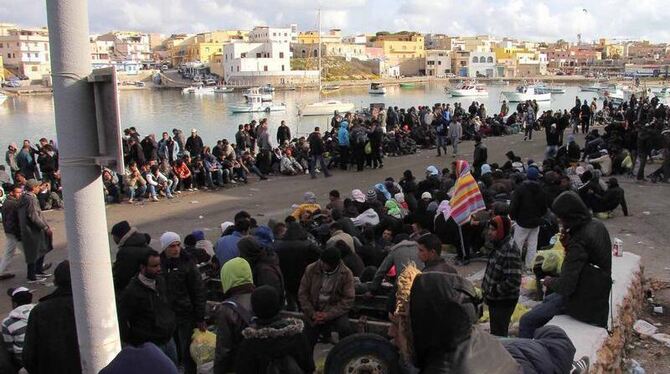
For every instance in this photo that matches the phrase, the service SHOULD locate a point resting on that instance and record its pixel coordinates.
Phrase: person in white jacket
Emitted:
(158, 182)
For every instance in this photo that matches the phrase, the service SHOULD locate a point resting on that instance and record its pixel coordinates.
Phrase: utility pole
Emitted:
(85, 218)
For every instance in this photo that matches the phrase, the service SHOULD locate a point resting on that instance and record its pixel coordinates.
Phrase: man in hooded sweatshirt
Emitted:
(527, 208)
(583, 287)
(133, 247)
(234, 314)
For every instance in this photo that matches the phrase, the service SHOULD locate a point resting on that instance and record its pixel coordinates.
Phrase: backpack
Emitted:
(283, 365)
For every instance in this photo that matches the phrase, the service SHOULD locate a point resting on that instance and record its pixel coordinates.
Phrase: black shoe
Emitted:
(6, 276)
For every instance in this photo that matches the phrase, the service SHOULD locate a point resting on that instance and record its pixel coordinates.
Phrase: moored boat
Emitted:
(468, 90)
(222, 89)
(325, 108)
(525, 93)
(255, 103)
(377, 89)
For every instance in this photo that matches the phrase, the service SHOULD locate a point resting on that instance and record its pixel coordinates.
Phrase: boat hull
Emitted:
(224, 90)
(467, 93)
(326, 110)
(257, 108)
(519, 97)
(377, 92)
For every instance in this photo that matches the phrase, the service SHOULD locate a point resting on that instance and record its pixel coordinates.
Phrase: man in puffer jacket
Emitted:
(133, 248)
(550, 351)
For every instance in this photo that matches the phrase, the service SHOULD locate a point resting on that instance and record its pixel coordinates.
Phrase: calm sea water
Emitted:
(154, 111)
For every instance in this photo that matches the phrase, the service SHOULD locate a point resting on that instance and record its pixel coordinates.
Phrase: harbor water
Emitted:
(155, 111)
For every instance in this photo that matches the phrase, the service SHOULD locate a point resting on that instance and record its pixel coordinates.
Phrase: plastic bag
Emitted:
(519, 311)
(368, 148)
(203, 346)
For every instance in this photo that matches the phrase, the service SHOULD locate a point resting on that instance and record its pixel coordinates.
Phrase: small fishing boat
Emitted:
(222, 89)
(662, 93)
(330, 89)
(525, 93)
(594, 87)
(257, 92)
(198, 90)
(468, 90)
(255, 103)
(408, 85)
(268, 88)
(325, 108)
(555, 89)
(377, 89)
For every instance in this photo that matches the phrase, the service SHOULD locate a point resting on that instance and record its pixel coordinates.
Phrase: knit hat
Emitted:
(235, 272)
(226, 225)
(198, 235)
(426, 195)
(532, 173)
(432, 170)
(120, 229)
(32, 183)
(145, 358)
(265, 302)
(371, 196)
(309, 197)
(330, 256)
(358, 196)
(486, 169)
(168, 238)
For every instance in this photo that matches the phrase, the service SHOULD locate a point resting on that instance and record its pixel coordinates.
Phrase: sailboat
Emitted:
(325, 107)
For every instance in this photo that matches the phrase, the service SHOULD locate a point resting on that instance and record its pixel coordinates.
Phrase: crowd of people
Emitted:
(384, 240)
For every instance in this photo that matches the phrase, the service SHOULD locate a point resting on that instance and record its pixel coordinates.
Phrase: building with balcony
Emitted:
(405, 49)
(25, 52)
(482, 64)
(438, 63)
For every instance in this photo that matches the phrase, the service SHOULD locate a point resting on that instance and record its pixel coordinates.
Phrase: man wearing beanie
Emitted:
(326, 296)
(185, 293)
(51, 345)
(527, 208)
(273, 344)
(133, 247)
(234, 314)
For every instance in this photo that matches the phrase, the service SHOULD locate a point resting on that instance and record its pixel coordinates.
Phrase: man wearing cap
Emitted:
(10, 223)
(36, 234)
(14, 326)
(326, 296)
(527, 208)
(133, 247)
(186, 294)
(145, 312)
(51, 344)
(194, 144)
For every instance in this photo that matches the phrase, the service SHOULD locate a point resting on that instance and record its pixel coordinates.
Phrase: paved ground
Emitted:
(644, 232)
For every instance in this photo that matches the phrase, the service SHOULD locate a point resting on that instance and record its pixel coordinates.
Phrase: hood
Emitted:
(133, 238)
(295, 231)
(462, 167)
(432, 170)
(400, 197)
(393, 209)
(22, 312)
(279, 329)
(434, 295)
(570, 208)
(368, 217)
(382, 188)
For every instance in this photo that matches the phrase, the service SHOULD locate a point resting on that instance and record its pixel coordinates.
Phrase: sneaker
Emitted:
(35, 280)
(130, 201)
(177, 192)
(6, 276)
(190, 190)
(233, 182)
(195, 188)
(154, 198)
(43, 275)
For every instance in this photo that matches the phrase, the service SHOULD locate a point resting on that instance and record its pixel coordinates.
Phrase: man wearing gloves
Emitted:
(185, 293)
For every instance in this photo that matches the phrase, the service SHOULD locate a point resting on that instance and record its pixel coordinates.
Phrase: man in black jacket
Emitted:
(51, 345)
(582, 290)
(133, 248)
(527, 208)
(283, 134)
(194, 144)
(185, 293)
(480, 156)
(316, 150)
(145, 314)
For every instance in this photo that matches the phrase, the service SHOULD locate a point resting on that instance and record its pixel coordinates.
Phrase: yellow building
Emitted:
(201, 47)
(401, 46)
(312, 37)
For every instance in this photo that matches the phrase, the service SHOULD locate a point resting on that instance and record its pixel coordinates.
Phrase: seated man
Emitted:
(14, 326)
(326, 295)
(582, 290)
(611, 199)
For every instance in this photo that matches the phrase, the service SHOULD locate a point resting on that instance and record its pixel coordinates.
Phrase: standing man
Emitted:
(480, 156)
(12, 227)
(264, 148)
(585, 117)
(527, 208)
(316, 150)
(283, 134)
(145, 313)
(194, 144)
(35, 232)
(25, 160)
(529, 122)
(376, 139)
(455, 133)
(343, 143)
(441, 130)
(186, 295)
(10, 160)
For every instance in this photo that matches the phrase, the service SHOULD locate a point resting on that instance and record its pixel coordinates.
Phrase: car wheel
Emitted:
(363, 354)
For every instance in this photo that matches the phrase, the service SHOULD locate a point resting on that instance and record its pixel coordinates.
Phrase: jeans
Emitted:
(173, 184)
(153, 190)
(186, 183)
(170, 350)
(454, 144)
(11, 244)
(500, 314)
(529, 236)
(529, 131)
(182, 338)
(340, 324)
(214, 174)
(642, 155)
(551, 151)
(35, 268)
(137, 192)
(313, 160)
(441, 144)
(541, 314)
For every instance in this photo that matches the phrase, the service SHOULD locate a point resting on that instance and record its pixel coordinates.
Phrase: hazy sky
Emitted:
(532, 19)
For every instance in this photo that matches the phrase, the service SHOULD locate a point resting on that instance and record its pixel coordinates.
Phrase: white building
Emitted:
(25, 52)
(355, 39)
(266, 58)
(438, 63)
(482, 64)
(128, 46)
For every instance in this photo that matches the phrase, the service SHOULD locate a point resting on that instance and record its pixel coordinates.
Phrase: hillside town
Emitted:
(267, 54)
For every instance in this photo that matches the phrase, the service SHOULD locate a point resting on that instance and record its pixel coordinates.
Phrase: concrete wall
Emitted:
(291, 78)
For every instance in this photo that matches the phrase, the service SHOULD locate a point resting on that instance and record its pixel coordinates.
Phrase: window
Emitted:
(281, 54)
(258, 55)
(282, 68)
(9, 55)
(274, 34)
(430, 63)
(231, 68)
(439, 62)
(238, 69)
(489, 60)
(243, 55)
(475, 60)
(37, 55)
(265, 68)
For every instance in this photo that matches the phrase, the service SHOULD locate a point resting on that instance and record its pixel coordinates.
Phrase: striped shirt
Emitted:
(14, 329)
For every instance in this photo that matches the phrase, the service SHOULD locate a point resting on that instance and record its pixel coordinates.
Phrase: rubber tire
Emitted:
(358, 345)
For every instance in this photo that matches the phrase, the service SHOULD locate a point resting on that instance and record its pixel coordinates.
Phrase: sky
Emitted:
(525, 19)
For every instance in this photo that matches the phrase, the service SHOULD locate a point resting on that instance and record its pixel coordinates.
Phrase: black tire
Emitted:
(365, 348)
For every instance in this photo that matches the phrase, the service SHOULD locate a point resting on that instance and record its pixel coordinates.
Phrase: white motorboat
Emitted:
(198, 90)
(525, 93)
(594, 87)
(223, 89)
(255, 103)
(268, 88)
(614, 94)
(468, 90)
(662, 93)
(325, 108)
(377, 89)
(257, 92)
(543, 88)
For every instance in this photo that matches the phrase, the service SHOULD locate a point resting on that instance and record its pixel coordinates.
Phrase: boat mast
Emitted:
(319, 49)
